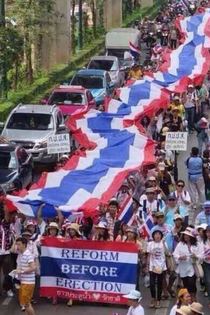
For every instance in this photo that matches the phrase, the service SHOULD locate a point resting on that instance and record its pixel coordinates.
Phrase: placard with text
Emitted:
(88, 270)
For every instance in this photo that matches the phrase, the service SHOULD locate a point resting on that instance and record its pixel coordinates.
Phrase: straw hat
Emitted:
(53, 225)
(162, 166)
(73, 226)
(202, 226)
(197, 308)
(184, 310)
(187, 232)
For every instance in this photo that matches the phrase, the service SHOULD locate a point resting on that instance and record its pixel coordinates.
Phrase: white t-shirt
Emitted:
(157, 255)
(186, 196)
(185, 267)
(173, 310)
(138, 310)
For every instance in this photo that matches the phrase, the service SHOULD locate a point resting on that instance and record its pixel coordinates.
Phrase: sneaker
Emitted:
(23, 308)
(10, 293)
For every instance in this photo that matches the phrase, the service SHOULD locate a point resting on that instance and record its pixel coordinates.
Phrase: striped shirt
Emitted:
(25, 259)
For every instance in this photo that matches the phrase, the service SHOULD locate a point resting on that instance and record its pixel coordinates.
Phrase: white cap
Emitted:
(133, 295)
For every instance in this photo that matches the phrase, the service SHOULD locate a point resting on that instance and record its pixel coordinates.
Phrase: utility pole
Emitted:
(3, 71)
(80, 41)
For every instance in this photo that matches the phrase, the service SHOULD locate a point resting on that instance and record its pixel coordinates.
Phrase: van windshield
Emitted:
(30, 121)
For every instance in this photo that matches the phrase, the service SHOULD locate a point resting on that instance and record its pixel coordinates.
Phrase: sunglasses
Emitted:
(179, 185)
(171, 199)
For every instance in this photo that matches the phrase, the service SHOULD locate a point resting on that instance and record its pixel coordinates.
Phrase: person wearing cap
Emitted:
(177, 230)
(156, 262)
(184, 299)
(62, 162)
(196, 308)
(32, 227)
(204, 216)
(101, 232)
(133, 301)
(135, 72)
(201, 232)
(186, 253)
(183, 199)
(177, 103)
(149, 203)
(176, 120)
(190, 102)
(206, 261)
(202, 127)
(171, 209)
(111, 215)
(196, 184)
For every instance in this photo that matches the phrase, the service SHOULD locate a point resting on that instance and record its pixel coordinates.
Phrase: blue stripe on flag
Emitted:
(51, 267)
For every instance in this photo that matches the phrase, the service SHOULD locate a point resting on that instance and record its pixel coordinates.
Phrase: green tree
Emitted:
(32, 17)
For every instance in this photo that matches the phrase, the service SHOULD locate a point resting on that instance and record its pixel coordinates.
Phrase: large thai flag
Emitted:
(134, 50)
(140, 90)
(90, 180)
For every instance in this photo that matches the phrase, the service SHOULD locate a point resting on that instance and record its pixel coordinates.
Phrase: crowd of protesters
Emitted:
(174, 256)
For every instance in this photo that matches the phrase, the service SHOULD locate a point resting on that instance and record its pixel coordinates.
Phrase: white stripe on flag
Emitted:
(88, 285)
(89, 255)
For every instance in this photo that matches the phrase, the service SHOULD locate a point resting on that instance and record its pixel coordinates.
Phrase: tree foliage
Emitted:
(32, 17)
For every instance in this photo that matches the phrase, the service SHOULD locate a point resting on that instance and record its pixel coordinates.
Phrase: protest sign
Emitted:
(58, 144)
(88, 270)
(176, 141)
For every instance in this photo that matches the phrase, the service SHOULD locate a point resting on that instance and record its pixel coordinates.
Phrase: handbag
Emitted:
(198, 269)
(169, 259)
(157, 269)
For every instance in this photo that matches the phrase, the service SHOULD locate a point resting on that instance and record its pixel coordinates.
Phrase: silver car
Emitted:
(31, 125)
(112, 65)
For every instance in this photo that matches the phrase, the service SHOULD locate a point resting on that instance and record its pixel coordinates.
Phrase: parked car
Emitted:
(16, 167)
(110, 64)
(31, 125)
(97, 81)
(71, 98)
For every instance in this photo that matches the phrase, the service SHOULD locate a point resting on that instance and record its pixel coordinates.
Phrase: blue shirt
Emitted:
(201, 218)
(169, 214)
(195, 168)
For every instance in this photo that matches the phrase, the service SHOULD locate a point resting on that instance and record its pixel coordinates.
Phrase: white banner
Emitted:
(176, 141)
(58, 144)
